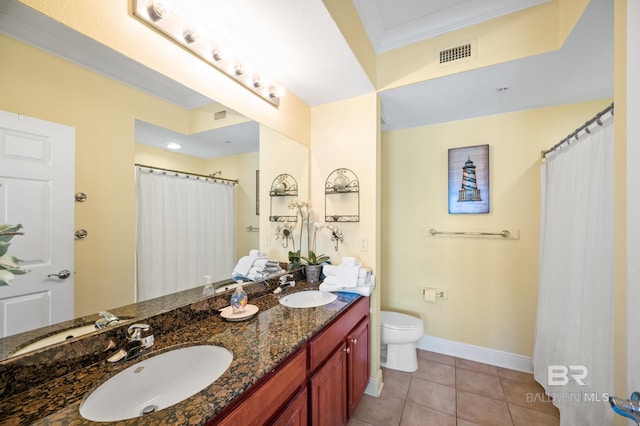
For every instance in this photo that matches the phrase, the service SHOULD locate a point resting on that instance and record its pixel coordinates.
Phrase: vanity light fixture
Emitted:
(158, 16)
(173, 145)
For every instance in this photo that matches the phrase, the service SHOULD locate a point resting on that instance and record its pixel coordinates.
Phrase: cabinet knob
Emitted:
(347, 350)
(354, 341)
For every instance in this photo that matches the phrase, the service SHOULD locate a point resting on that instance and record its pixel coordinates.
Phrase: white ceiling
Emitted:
(312, 59)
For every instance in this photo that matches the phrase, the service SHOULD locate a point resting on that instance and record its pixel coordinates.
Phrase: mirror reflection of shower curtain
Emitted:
(185, 229)
(573, 347)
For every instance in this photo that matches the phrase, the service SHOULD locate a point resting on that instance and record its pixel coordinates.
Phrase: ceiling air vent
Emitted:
(463, 52)
(220, 115)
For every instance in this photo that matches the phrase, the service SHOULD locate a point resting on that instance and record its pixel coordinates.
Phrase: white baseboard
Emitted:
(374, 388)
(476, 353)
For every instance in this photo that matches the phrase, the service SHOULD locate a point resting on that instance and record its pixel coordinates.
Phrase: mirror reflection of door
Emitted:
(37, 160)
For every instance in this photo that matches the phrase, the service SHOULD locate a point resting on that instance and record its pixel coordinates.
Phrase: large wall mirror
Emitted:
(116, 125)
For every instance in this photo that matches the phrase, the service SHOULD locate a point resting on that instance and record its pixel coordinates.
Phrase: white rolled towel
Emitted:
(350, 261)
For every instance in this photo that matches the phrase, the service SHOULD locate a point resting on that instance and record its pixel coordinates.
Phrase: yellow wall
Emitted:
(103, 113)
(492, 283)
(279, 154)
(111, 23)
(346, 134)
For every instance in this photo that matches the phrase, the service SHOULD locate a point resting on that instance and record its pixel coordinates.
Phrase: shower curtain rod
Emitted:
(585, 127)
(233, 181)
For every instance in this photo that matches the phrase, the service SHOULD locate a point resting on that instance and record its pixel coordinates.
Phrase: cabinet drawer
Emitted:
(321, 346)
(272, 394)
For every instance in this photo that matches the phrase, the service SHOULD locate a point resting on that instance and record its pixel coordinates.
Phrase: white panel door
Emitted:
(37, 160)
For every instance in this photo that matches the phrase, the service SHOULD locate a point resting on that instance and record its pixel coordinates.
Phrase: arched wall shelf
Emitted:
(283, 187)
(342, 196)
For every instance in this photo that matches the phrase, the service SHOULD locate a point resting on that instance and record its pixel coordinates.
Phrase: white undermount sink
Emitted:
(307, 299)
(155, 383)
(56, 338)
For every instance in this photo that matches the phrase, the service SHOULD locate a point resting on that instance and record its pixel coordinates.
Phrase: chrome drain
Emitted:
(149, 409)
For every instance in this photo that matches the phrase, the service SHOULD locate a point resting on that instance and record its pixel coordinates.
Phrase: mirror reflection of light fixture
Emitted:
(156, 14)
(173, 145)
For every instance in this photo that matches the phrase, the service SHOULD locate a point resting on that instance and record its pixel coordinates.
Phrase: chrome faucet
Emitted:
(629, 408)
(107, 319)
(138, 340)
(283, 283)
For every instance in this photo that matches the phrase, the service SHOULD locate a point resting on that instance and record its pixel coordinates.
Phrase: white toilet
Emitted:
(399, 334)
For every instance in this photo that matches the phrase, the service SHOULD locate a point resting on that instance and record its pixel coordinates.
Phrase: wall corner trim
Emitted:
(374, 388)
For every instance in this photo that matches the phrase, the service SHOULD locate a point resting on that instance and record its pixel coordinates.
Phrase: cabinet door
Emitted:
(328, 389)
(296, 412)
(358, 363)
(272, 394)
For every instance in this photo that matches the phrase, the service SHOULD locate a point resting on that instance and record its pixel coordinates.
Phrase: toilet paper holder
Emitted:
(430, 294)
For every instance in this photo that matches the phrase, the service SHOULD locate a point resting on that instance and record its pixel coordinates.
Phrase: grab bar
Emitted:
(504, 233)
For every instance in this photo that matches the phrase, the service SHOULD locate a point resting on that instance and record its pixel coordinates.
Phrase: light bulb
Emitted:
(173, 145)
(190, 35)
(156, 11)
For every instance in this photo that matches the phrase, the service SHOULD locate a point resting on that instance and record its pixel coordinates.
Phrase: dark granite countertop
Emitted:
(258, 345)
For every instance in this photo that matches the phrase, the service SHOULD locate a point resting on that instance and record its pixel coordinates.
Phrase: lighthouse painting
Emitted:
(469, 179)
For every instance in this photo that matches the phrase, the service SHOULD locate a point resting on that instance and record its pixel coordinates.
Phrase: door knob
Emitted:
(63, 275)
(81, 233)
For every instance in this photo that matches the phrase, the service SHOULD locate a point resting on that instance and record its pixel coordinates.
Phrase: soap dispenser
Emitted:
(239, 299)
(208, 289)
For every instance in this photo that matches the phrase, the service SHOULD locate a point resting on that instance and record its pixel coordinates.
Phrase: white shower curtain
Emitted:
(573, 347)
(185, 230)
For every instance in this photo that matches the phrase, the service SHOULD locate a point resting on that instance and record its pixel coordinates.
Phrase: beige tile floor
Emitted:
(453, 391)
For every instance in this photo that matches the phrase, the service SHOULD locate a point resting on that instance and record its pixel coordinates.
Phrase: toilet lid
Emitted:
(398, 321)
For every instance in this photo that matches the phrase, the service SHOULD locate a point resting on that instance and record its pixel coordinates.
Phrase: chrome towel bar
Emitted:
(504, 233)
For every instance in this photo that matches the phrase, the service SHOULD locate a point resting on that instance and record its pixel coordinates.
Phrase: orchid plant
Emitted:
(9, 265)
(305, 213)
(336, 234)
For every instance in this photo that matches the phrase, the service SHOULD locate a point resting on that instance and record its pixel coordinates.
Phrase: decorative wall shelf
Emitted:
(342, 195)
(283, 186)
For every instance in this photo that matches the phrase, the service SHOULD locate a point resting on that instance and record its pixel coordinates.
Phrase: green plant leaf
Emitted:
(4, 248)
(8, 229)
(313, 259)
(5, 277)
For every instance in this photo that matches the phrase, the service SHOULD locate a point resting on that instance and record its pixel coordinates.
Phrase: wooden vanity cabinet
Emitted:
(358, 362)
(328, 387)
(339, 364)
(295, 413)
(320, 385)
(274, 392)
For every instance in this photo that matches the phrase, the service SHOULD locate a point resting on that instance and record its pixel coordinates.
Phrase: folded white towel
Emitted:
(363, 290)
(332, 270)
(244, 265)
(265, 270)
(347, 276)
(331, 280)
(263, 262)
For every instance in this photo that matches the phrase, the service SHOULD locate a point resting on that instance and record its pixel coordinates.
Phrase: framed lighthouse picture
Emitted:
(469, 180)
